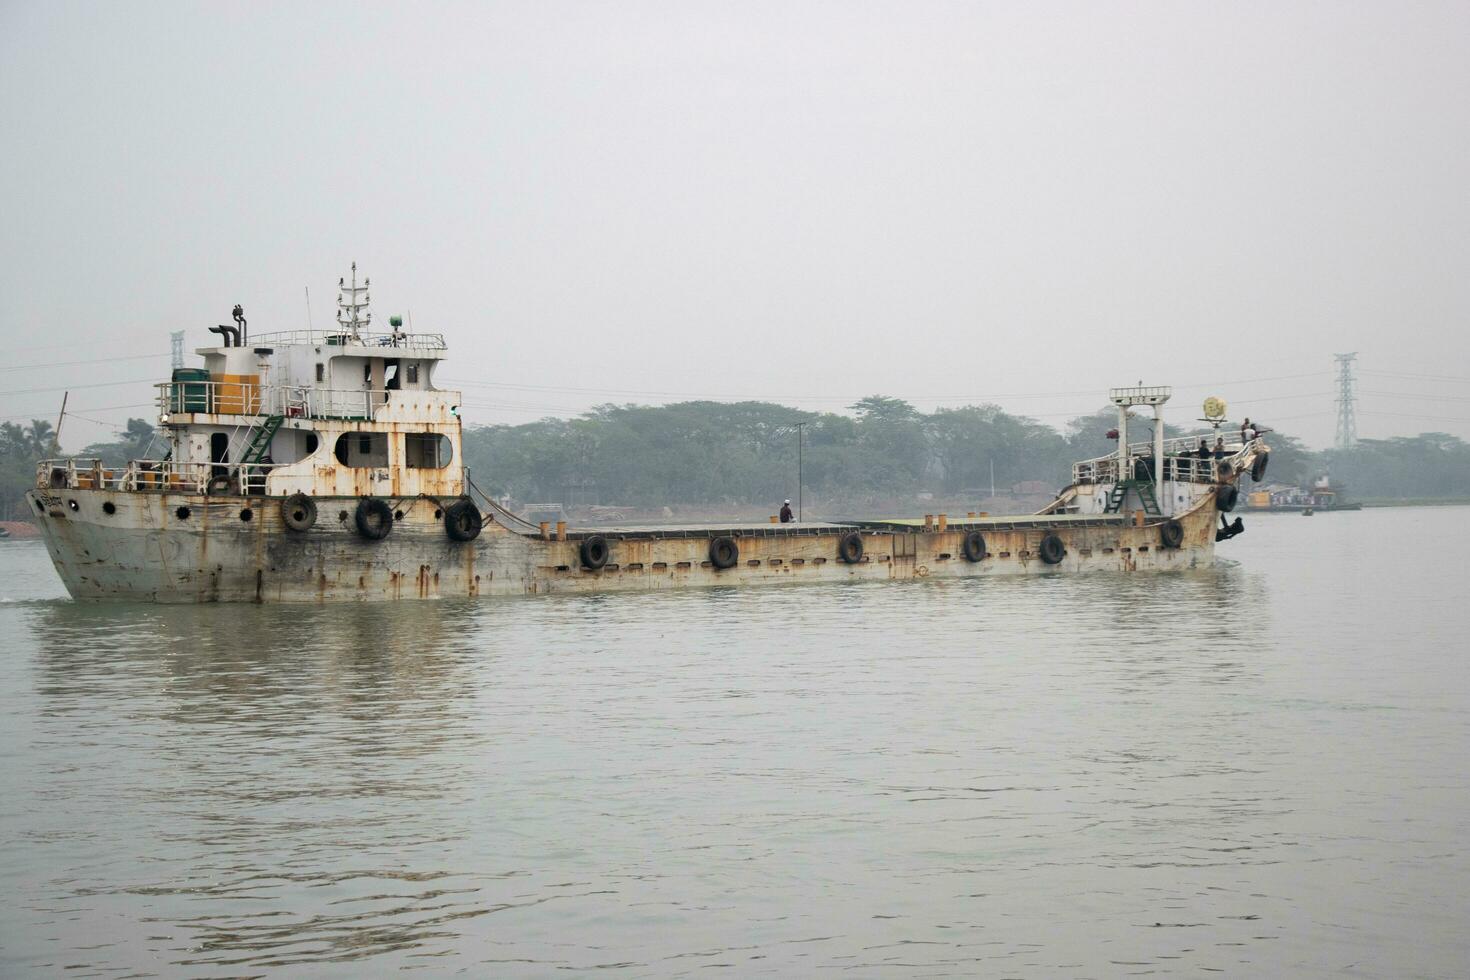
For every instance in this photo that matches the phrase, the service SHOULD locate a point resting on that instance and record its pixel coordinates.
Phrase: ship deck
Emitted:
(1010, 522)
(806, 528)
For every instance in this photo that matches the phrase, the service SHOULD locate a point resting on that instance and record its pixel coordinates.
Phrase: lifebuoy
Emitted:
(724, 552)
(850, 548)
(374, 518)
(1258, 468)
(1226, 498)
(298, 512)
(594, 552)
(462, 520)
(974, 546)
(1171, 533)
(1052, 549)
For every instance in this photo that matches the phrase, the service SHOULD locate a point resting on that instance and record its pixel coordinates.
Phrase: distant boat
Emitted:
(1322, 495)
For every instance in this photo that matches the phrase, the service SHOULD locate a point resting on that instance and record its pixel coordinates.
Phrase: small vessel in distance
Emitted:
(1322, 495)
(311, 466)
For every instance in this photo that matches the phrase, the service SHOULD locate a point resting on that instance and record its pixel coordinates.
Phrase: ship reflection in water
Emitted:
(1216, 769)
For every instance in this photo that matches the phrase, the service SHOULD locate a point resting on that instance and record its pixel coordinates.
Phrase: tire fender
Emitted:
(298, 512)
(594, 552)
(462, 520)
(374, 518)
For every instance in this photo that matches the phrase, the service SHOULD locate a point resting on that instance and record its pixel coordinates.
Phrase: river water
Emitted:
(1258, 770)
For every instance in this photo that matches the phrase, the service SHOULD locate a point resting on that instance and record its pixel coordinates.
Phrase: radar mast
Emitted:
(351, 302)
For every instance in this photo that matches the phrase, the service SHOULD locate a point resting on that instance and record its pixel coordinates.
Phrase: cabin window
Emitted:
(426, 451)
(362, 449)
(367, 373)
(413, 374)
(321, 373)
(390, 376)
(292, 445)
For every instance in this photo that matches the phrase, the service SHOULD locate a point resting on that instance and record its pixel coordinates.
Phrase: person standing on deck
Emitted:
(786, 517)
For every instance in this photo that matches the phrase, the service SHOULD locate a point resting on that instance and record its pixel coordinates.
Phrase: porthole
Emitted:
(398, 515)
(342, 516)
(74, 505)
(438, 514)
(246, 514)
(182, 513)
(109, 508)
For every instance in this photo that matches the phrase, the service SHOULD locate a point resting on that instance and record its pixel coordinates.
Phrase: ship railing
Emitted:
(339, 338)
(1181, 463)
(216, 398)
(1179, 445)
(153, 474)
(292, 401)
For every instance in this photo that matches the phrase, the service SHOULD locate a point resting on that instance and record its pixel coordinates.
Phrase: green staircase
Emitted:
(260, 440)
(1145, 491)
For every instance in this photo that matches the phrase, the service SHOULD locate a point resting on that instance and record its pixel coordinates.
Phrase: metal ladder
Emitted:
(260, 439)
(1145, 491)
(252, 479)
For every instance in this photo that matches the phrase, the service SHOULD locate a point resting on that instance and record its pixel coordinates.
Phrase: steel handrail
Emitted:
(340, 338)
(292, 401)
(147, 474)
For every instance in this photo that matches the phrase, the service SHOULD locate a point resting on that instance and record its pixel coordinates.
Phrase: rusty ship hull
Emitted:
(191, 548)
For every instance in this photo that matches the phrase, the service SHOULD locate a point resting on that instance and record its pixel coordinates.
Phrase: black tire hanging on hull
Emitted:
(298, 512)
(974, 546)
(1258, 468)
(1171, 534)
(850, 548)
(724, 552)
(374, 518)
(594, 552)
(1052, 549)
(1226, 498)
(462, 520)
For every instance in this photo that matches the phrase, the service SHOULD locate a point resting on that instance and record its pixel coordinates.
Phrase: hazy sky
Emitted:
(807, 202)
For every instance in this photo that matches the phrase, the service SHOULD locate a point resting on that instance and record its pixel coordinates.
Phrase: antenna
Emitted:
(308, 308)
(350, 308)
(1347, 422)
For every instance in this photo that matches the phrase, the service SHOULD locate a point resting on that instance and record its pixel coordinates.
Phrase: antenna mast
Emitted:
(1347, 422)
(350, 305)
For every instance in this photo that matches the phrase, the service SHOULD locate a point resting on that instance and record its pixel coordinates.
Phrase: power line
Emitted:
(99, 384)
(1420, 377)
(102, 408)
(90, 360)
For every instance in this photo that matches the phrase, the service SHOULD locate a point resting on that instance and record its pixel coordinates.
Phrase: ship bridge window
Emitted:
(390, 375)
(362, 449)
(426, 451)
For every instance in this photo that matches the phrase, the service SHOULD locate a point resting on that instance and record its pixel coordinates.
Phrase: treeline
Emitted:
(1432, 464)
(23, 446)
(746, 453)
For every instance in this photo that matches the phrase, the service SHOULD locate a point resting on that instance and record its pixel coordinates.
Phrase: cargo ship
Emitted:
(317, 466)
